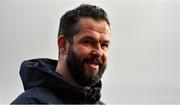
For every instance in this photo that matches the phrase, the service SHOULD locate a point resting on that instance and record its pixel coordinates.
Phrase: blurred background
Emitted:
(144, 55)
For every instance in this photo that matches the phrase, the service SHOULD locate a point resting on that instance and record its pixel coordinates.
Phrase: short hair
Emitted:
(69, 21)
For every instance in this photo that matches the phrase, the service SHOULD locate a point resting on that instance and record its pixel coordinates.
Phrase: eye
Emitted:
(104, 45)
(88, 41)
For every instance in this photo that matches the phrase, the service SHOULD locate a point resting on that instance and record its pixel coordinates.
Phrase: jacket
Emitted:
(43, 85)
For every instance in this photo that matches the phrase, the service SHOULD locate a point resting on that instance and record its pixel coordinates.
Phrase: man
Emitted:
(83, 40)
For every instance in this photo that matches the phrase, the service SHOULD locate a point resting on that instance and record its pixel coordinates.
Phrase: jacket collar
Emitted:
(41, 72)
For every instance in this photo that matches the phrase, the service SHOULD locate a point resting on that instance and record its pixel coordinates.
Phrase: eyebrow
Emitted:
(92, 38)
(106, 41)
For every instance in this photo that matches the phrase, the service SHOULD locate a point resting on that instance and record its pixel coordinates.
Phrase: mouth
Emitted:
(93, 63)
(92, 66)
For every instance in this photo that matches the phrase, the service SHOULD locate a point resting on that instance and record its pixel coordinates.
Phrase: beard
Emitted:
(82, 75)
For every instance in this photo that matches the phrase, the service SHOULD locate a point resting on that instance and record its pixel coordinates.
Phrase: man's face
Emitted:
(87, 56)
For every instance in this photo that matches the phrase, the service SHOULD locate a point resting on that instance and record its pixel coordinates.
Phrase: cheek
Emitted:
(105, 57)
(82, 51)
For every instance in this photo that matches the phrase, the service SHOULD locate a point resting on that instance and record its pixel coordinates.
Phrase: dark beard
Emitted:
(83, 77)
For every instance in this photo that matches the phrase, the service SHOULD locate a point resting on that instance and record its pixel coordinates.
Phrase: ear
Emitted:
(62, 44)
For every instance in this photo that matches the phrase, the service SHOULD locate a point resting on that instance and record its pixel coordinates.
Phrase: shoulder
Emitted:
(37, 95)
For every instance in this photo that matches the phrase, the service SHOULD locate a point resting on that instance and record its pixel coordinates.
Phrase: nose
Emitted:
(97, 52)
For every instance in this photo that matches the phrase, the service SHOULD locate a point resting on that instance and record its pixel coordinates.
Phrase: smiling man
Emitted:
(83, 41)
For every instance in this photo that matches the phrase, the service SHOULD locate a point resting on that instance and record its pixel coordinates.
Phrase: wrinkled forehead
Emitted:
(100, 26)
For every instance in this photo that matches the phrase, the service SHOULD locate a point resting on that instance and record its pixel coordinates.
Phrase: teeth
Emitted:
(94, 64)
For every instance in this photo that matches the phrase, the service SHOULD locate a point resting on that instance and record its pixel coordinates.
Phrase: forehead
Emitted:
(100, 26)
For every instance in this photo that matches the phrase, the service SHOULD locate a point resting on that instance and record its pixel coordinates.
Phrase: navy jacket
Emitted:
(43, 85)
